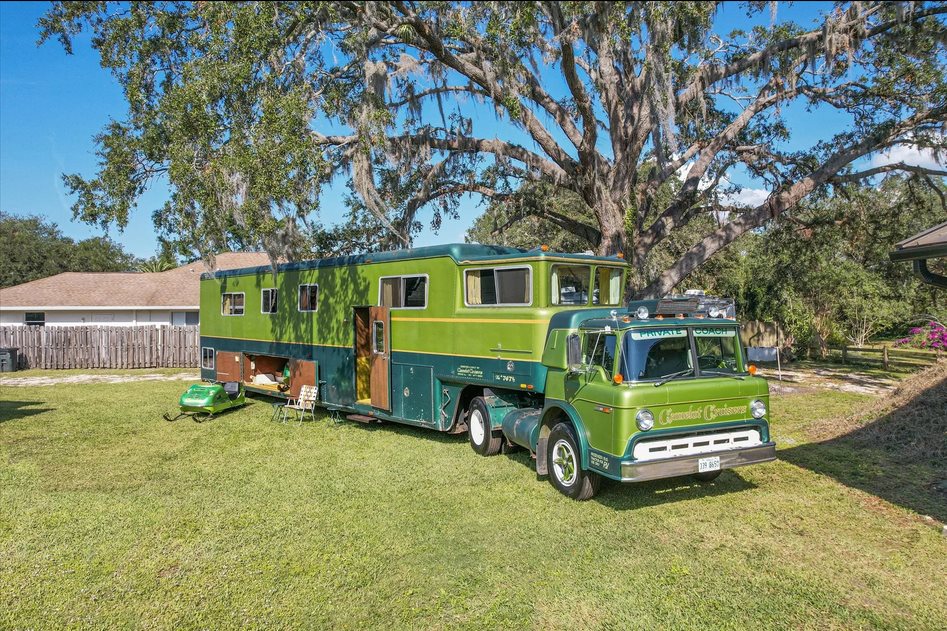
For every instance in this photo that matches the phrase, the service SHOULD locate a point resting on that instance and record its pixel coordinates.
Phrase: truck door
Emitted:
(591, 392)
(380, 327)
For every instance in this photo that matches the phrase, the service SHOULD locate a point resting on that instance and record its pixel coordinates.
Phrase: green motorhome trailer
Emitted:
(512, 347)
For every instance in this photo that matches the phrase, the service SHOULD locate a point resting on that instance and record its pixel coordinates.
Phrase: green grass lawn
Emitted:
(110, 516)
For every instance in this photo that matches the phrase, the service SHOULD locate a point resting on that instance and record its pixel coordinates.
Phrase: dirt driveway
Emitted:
(24, 382)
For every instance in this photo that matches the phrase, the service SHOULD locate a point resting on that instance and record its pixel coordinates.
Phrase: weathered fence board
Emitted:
(103, 346)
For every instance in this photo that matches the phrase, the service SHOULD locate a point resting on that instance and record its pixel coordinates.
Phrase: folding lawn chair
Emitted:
(305, 402)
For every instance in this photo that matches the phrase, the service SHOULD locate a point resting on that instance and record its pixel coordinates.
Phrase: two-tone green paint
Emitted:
(443, 354)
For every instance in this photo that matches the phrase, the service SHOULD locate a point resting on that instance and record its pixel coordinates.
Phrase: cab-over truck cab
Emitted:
(659, 391)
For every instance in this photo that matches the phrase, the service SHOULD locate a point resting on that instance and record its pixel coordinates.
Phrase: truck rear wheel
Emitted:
(483, 440)
(565, 467)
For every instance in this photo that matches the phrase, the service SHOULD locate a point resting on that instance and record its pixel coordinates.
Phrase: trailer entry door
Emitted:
(381, 357)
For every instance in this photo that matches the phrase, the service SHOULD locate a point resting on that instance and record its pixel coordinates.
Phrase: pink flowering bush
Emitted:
(933, 337)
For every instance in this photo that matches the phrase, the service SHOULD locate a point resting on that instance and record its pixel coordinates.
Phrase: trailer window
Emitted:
(607, 286)
(403, 292)
(231, 304)
(207, 358)
(570, 284)
(504, 286)
(308, 297)
(268, 301)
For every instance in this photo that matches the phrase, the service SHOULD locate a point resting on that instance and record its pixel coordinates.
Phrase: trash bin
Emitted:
(8, 359)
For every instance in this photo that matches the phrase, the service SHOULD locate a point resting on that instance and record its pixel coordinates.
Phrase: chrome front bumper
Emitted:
(686, 465)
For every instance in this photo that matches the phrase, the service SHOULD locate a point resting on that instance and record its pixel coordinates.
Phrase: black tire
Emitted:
(565, 468)
(483, 439)
(707, 476)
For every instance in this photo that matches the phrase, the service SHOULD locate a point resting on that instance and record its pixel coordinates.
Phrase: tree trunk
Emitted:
(611, 219)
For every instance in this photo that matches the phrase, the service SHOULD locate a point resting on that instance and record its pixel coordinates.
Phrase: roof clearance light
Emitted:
(544, 247)
(620, 255)
(642, 313)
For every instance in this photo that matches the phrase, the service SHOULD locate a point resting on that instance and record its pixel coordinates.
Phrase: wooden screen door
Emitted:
(380, 328)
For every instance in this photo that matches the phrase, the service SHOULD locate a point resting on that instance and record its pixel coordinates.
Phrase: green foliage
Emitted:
(823, 270)
(32, 248)
(246, 110)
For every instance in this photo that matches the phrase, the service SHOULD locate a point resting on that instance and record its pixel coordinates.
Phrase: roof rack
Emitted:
(691, 305)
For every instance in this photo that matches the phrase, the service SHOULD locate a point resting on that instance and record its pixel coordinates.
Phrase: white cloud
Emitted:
(909, 154)
(751, 197)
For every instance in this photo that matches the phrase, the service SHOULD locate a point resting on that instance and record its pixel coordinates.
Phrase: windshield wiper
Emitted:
(723, 374)
(673, 375)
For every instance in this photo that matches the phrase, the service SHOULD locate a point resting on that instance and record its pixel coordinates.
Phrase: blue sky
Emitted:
(52, 104)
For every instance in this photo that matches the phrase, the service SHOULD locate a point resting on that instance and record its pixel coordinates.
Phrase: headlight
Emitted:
(642, 313)
(758, 409)
(644, 419)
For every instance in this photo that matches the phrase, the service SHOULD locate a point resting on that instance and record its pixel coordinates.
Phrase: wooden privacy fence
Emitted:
(886, 356)
(104, 346)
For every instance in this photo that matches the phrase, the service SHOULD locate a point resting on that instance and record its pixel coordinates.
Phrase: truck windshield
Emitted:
(653, 354)
(717, 350)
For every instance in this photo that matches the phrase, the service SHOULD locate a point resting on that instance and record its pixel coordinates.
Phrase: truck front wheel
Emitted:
(565, 468)
(483, 440)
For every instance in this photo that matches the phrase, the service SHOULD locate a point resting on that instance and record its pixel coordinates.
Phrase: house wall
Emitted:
(129, 317)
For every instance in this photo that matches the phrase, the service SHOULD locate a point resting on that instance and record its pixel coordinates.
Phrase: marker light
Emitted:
(544, 248)
(618, 378)
(644, 419)
(752, 369)
(642, 313)
(758, 409)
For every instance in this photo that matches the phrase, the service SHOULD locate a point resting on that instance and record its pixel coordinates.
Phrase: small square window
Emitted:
(207, 358)
(231, 304)
(308, 297)
(268, 301)
(35, 318)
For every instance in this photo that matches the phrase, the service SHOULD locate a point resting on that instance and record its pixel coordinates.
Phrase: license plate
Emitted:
(708, 464)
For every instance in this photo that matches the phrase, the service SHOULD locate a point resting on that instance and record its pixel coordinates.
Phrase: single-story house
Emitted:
(116, 298)
(923, 248)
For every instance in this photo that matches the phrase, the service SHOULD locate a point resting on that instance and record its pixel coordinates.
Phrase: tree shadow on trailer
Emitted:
(900, 456)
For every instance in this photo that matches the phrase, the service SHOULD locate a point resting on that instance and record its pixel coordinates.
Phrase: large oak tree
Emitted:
(247, 110)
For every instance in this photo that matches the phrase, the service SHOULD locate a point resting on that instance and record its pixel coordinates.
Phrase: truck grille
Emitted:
(692, 444)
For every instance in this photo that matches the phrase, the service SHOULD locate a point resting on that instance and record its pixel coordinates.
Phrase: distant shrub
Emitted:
(932, 336)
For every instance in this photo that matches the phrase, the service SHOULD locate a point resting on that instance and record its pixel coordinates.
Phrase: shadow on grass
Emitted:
(613, 494)
(13, 410)
(900, 457)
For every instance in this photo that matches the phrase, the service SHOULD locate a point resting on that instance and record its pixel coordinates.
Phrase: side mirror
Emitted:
(574, 353)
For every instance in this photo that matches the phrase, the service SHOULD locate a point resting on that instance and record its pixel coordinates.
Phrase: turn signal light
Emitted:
(618, 378)
(751, 369)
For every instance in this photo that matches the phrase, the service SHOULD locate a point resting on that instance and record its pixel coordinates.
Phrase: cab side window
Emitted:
(599, 350)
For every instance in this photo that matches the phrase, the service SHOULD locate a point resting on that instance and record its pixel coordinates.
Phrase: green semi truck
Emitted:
(513, 347)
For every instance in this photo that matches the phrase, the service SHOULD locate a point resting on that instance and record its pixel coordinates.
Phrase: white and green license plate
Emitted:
(708, 464)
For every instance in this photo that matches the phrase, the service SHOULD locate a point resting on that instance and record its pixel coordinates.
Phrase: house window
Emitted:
(35, 318)
(268, 301)
(308, 297)
(207, 358)
(192, 318)
(231, 304)
(403, 292)
(501, 286)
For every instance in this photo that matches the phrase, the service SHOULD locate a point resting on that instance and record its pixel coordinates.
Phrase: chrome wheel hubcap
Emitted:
(564, 462)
